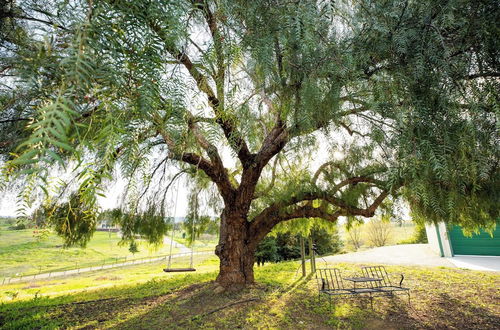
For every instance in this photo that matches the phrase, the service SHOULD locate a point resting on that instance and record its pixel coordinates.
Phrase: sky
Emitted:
(113, 194)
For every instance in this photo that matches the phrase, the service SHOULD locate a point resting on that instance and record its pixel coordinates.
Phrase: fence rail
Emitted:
(104, 265)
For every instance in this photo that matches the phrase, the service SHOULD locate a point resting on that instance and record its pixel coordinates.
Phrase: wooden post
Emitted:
(312, 256)
(303, 255)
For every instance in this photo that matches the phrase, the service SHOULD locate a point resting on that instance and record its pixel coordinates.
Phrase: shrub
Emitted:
(267, 251)
(379, 232)
(18, 226)
(286, 246)
(326, 242)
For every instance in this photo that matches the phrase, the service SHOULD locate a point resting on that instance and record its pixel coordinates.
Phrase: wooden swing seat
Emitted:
(174, 270)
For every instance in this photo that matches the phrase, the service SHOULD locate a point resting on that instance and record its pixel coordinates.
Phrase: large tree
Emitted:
(282, 110)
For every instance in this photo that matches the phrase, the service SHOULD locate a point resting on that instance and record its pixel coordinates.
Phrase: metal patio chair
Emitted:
(385, 286)
(330, 283)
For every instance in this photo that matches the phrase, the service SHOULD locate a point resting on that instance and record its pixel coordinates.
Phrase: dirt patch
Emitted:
(108, 278)
(376, 324)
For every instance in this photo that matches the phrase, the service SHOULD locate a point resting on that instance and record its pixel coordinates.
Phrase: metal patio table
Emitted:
(362, 279)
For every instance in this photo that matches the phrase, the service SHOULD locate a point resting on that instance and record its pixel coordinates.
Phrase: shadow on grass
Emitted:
(180, 304)
(294, 306)
(441, 312)
(93, 307)
(256, 306)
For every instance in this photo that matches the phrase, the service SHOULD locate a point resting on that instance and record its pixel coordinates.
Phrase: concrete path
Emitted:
(477, 262)
(182, 248)
(405, 254)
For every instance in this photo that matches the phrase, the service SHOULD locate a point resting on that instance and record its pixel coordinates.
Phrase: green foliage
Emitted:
(419, 235)
(327, 242)
(447, 135)
(196, 224)
(148, 225)
(286, 246)
(406, 90)
(133, 248)
(267, 251)
(73, 220)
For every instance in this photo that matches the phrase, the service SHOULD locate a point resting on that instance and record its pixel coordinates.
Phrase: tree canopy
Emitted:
(278, 110)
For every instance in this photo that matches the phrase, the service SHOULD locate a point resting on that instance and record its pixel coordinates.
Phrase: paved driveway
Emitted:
(477, 262)
(413, 255)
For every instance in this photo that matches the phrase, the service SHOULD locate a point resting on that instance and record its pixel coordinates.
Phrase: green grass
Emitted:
(21, 253)
(95, 280)
(144, 297)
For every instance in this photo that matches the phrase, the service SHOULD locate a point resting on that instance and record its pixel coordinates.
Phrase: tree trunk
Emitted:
(236, 251)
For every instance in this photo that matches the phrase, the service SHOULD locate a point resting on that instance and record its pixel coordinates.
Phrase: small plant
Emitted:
(37, 295)
(133, 247)
(41, 234)
(12, 294)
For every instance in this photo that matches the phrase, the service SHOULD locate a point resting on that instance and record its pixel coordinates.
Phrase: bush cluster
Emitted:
(286, 246)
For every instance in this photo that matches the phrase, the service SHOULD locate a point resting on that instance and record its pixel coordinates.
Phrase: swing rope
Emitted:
(173, 227)
(192, 232)
(191, 268)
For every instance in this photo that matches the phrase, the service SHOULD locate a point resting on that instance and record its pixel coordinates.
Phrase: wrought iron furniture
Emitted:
(385, 285)
(364, 279)
(331, 283)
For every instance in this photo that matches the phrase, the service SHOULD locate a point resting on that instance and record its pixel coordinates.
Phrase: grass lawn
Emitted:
(21, 253)
(143, 297)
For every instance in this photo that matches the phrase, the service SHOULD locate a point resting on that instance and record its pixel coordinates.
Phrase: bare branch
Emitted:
(489, 74)
(47, 22)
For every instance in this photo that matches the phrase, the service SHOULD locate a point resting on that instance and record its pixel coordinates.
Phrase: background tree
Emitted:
(267, 251)
(261, 98)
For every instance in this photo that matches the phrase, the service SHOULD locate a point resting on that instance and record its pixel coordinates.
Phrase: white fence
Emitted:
(104, 265)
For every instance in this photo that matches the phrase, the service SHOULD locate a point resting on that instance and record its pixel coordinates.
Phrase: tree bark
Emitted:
(236, 250)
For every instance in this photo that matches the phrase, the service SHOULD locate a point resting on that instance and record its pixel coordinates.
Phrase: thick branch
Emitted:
(231, 133)
(286, 210)
(216, 172)
(274, 142)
